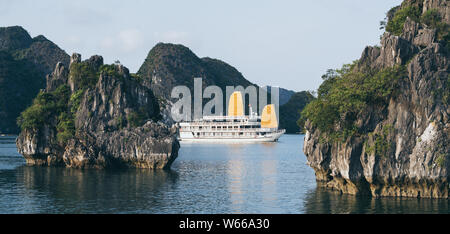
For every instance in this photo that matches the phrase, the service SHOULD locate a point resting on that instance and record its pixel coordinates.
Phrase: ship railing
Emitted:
(218, 123)
(270, 130)
(226, 117)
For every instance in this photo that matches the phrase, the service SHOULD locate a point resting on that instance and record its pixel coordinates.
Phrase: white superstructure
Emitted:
(234, 127)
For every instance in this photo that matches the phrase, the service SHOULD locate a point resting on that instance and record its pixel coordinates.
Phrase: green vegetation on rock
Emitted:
(75, 100)
(65, 127)
(395, 25)
(346, 93)
(83, 75)
(138, 118)
(47, 106)
(446, 94)
(441, 160)
(431, 18)
(120, 122)
(381, 144)
(110, 70)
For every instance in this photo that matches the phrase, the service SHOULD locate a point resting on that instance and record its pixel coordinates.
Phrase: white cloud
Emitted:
(6, 6)
(126, 40)
(73, 39)
(131, 39)
(107, 43)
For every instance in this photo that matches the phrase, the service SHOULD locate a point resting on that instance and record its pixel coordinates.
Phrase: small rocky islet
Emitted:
(92, 115)
(380, 126)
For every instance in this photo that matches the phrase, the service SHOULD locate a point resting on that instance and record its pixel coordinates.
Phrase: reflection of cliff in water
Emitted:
(322, 200)
(104, 191)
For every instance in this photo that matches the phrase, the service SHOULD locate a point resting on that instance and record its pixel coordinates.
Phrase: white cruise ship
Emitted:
(235, 127)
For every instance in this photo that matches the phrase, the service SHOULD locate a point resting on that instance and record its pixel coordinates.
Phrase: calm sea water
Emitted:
(205, 178)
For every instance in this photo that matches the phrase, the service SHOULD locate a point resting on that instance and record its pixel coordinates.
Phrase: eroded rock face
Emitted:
(105, 134)
(415, 124)
(442, 6)
(58, 77)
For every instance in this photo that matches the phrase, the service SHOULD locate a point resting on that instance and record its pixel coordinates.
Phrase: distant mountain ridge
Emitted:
(24, 63)
(290, 111)
(284, 94)
(40, 51)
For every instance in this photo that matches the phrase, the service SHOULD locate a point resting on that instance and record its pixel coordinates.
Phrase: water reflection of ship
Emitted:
(261, 186)
(234, 127)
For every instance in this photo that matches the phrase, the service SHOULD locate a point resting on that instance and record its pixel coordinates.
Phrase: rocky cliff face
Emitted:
(401, 147)
(97, 116)
(24, 63)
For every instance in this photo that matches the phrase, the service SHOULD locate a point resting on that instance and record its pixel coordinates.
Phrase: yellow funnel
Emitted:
(269, 117)
(235, 105)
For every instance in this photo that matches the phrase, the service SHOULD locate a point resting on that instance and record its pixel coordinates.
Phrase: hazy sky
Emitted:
(281, 43)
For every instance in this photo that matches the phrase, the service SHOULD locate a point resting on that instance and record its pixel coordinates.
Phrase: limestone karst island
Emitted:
(273, 111)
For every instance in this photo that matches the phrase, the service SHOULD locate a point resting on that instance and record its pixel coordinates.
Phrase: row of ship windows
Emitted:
(220, 127)
(227, 134)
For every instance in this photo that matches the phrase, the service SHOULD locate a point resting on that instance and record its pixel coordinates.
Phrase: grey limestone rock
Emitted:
(116, 124)
(415, 124)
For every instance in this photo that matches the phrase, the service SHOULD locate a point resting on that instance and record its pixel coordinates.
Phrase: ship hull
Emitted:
(267, 138)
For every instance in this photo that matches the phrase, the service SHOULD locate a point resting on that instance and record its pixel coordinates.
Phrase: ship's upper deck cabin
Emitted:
(235, 120)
